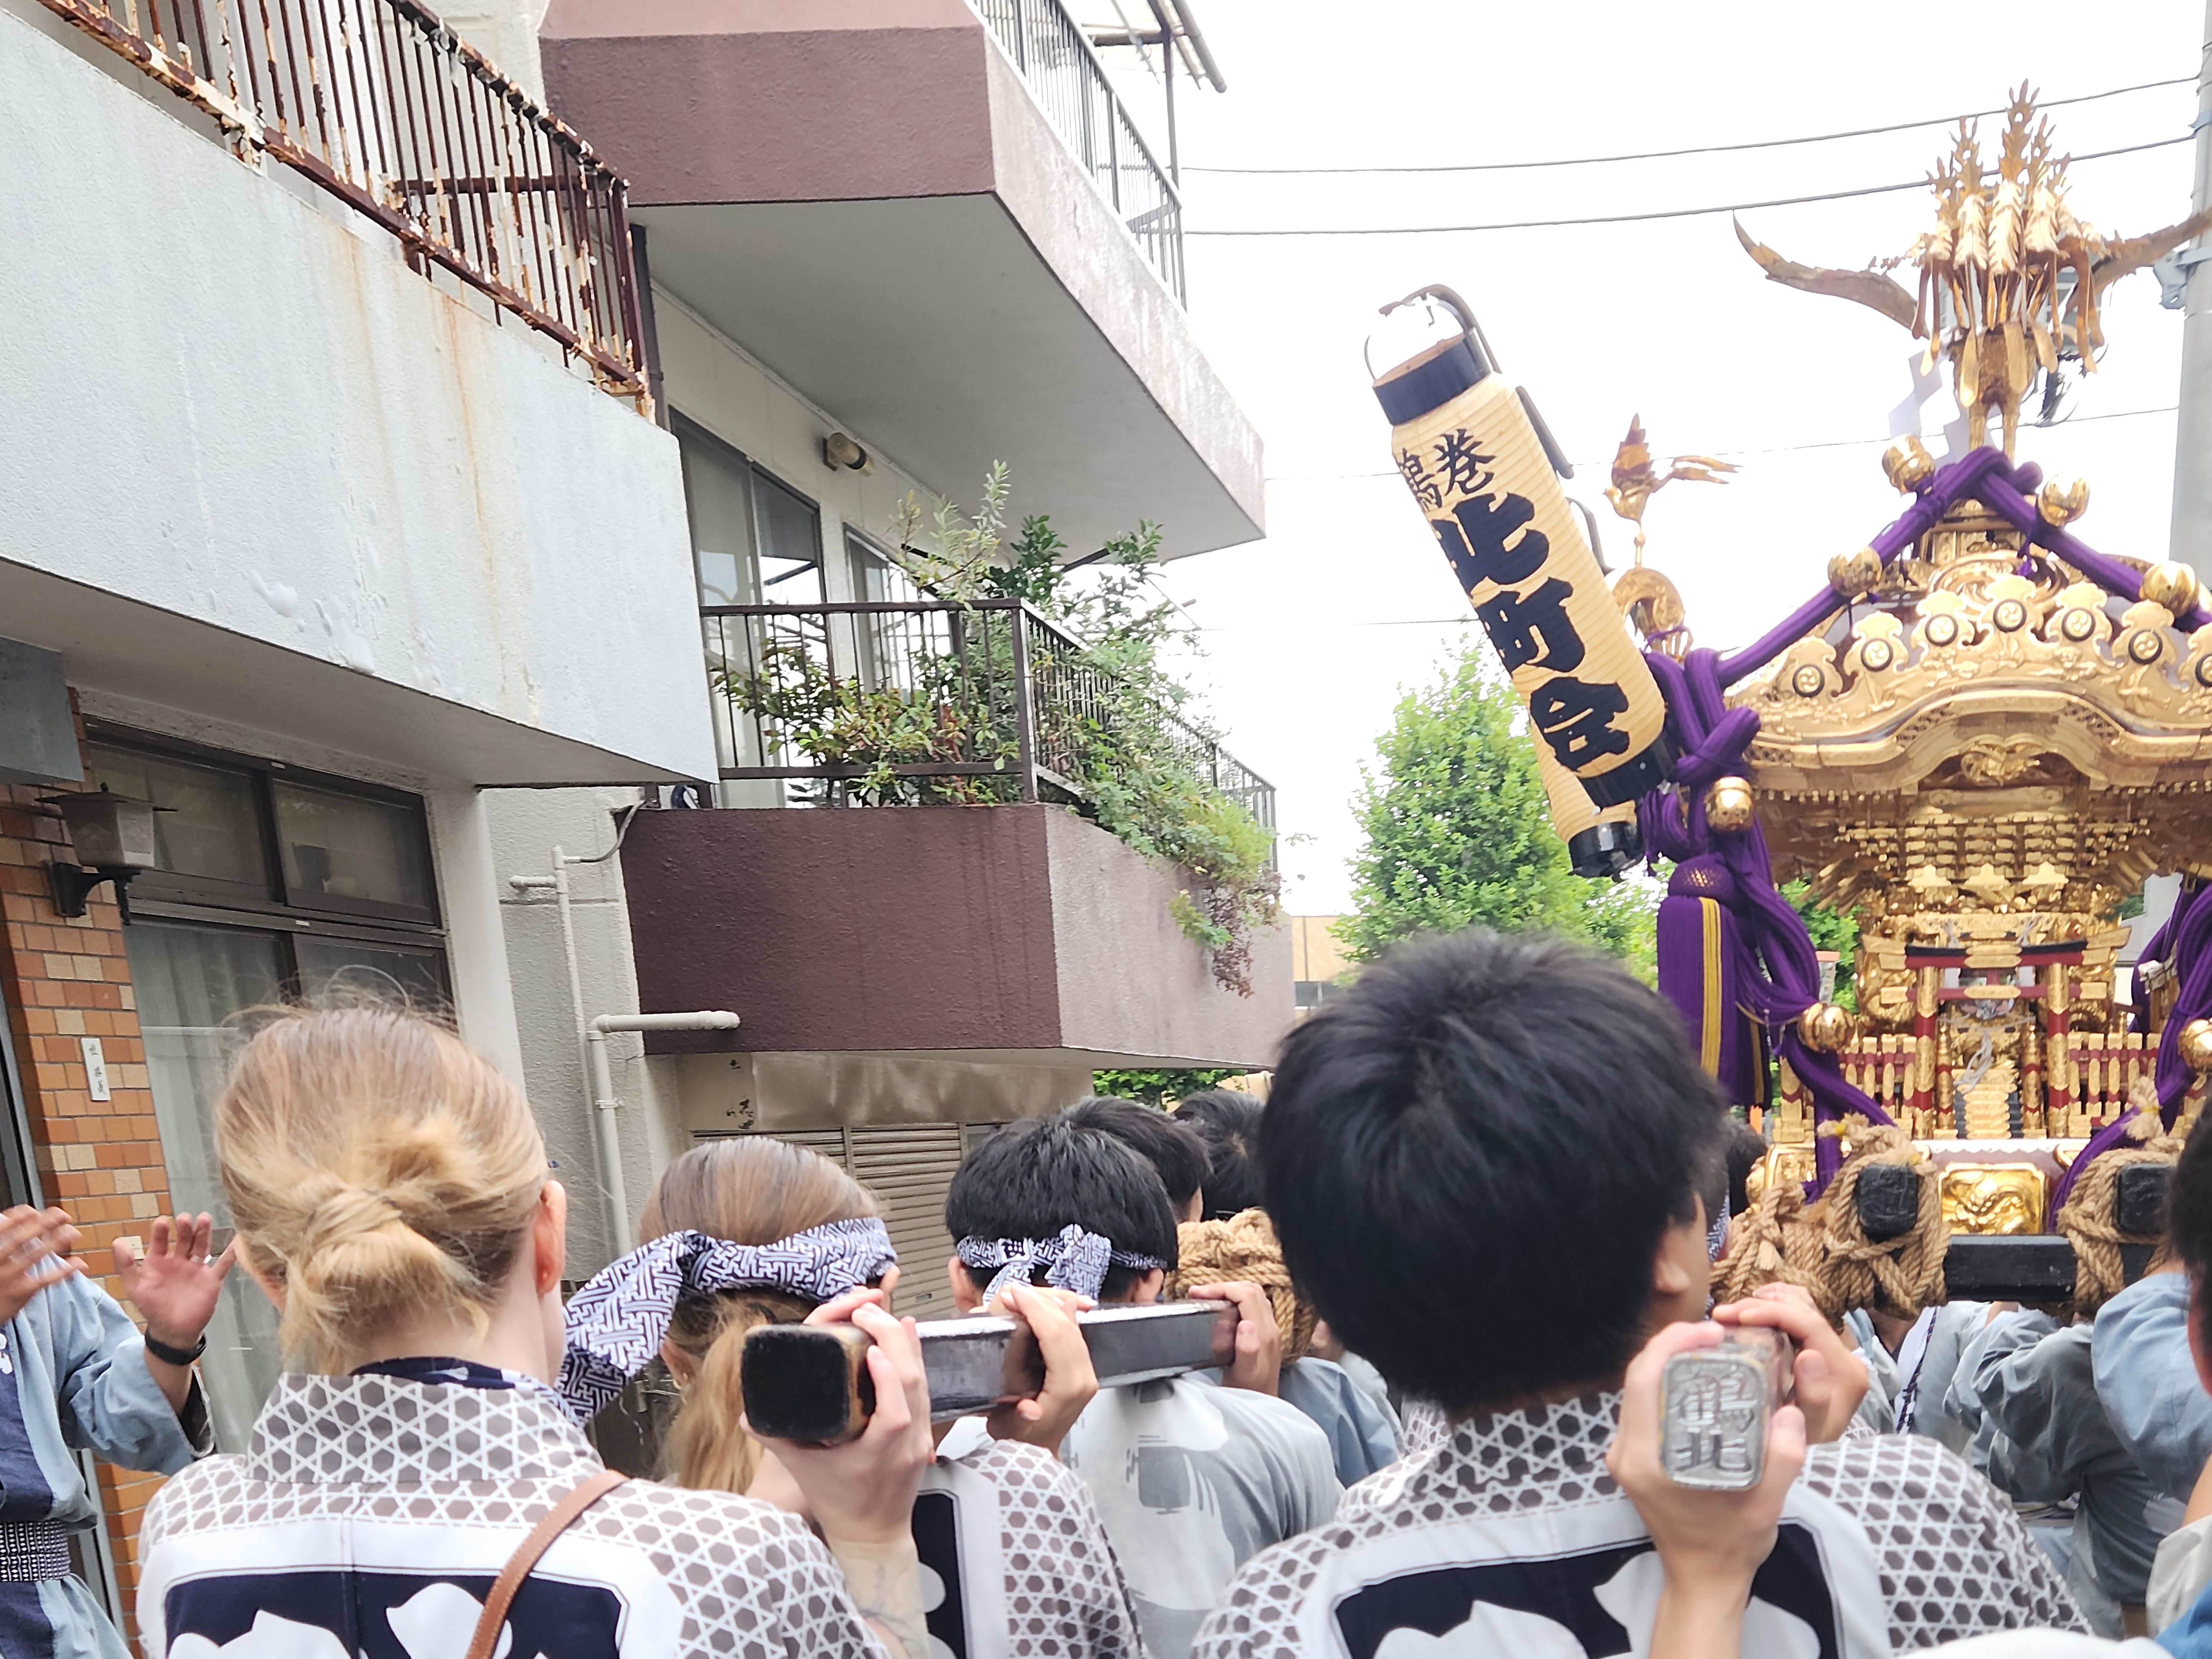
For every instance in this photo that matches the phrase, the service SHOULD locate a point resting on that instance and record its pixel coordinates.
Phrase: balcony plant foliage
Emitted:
(1116, 734)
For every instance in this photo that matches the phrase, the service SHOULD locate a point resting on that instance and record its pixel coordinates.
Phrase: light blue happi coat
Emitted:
(73, 1377)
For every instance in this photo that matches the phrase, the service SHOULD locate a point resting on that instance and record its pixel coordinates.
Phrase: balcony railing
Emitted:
(1061, 67)
(382, 104)
(926, 702)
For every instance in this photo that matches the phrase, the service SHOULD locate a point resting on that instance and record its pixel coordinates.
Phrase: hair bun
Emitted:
(337, 1210)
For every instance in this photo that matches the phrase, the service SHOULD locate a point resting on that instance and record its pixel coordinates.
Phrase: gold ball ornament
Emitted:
(1908, 465)
(2062, 500)
(1826, 1027)
(1851, 574)
(2172, 585)
(1728, 805)
(2194, 1045)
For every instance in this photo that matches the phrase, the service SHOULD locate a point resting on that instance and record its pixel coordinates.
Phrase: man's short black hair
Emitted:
(1227, 1122)
(2189, 1216)
(1175, 1152)
(1035, 1177)
(1471, 1156)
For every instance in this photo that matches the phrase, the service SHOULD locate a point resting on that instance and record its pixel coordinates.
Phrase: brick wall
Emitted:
(64, 980)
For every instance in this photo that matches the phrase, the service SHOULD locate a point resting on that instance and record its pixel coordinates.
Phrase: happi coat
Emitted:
(1509, 1536)
(372, 1512)
(73, 1377)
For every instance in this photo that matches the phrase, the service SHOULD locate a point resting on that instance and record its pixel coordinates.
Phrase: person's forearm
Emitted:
(1702, 1623)
(175, 1382)
(884, 1581)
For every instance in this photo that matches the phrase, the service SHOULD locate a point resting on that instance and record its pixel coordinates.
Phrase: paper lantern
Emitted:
(1601, 843)
(1486, 478)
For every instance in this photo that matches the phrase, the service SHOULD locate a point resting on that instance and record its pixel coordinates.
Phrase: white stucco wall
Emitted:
(715, 382)
(239, 411)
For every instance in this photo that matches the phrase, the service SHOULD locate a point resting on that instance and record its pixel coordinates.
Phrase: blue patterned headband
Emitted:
(1075, 1260)
(617, 1322)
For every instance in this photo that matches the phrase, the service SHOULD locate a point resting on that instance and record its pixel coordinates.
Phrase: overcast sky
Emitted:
(1314, 633)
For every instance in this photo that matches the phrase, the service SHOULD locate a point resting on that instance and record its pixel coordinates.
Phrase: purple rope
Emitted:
(1959, 481)
(1777, 970)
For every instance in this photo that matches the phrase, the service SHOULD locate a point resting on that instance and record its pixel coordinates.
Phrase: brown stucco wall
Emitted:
(724, 100)
(1001, 929)
(892, 928)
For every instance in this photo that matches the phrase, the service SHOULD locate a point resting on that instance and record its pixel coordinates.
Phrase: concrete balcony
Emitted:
(944, 230)
(258, 469)
(1014, 934)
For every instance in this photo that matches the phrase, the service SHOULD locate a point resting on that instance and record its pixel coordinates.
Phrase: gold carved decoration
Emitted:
(1993, 1198)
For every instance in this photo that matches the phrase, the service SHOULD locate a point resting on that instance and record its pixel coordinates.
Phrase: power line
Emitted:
(1779, 449)
(1697, 149)
(1635, 218)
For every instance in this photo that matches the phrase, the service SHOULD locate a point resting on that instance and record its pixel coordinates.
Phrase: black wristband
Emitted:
(168, 1355)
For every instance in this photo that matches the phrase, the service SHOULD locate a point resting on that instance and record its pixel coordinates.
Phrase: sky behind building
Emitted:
(1314, 633)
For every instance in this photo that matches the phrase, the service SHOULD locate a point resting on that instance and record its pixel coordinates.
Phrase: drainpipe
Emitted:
(557, 885)
(603, 1096)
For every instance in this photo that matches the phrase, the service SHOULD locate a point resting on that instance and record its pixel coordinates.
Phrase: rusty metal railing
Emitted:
(383, 106)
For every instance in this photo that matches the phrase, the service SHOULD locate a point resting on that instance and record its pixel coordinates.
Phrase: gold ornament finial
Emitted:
(1826, 1027)
(1908, 465)
(2193, 1043)
(1853, 575)
(1728, 805)
(2174, 585)
(1637, 478)
(1987, 290)
(2062, 500)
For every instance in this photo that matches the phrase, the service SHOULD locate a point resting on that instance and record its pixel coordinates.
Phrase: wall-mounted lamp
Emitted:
(839, 450)
(113, 834)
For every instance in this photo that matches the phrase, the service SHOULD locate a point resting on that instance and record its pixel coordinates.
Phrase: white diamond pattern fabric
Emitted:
(1065, 1598)
(465, 1473)
(1953, 1559)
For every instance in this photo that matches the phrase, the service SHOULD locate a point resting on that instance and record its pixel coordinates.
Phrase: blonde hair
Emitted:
(377, 1169)
(751, 1189)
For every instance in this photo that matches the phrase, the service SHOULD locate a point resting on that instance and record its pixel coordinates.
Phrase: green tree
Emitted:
(1459, 832)
(1835, 930)
(1162, 1088)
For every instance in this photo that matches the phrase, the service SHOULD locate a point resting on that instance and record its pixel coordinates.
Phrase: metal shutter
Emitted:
(909, 1166)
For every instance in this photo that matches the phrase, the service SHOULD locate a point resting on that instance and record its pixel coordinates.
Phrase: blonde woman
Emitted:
(753, 1231)
(391, 1194)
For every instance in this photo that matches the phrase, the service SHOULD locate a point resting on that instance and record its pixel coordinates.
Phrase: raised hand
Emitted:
(175, 1285)
(1258, 1362)
(34, 1255)
(1070, 1381)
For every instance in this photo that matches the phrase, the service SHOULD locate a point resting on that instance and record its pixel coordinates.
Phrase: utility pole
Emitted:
(2191, 540)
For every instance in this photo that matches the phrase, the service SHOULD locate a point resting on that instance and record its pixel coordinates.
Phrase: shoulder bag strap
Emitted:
(558, 1519)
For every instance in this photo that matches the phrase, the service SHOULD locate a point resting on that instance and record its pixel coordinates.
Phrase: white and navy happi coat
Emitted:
(1509, 1536)
(372, 1513)
(72, 1377)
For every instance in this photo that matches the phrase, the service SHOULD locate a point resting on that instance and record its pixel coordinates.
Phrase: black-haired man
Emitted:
(1191, 1479)
(1483, 1160)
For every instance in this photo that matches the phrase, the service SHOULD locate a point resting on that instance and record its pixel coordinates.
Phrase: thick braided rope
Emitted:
(1244, 1247)
(1774, 1242)
(2088, 1219)
(1898, 1276)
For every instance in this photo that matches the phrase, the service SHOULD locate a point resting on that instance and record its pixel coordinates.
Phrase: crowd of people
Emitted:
(1478, 1213)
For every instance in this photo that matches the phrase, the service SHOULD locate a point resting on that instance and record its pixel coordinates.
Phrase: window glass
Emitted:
(190, 981)
(876, 577)
(349, 848)
(350, 970)
(212, 829)
(717, 493)
(790, 541)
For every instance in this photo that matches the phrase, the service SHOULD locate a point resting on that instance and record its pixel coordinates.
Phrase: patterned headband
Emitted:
(617, 1322)
(1075, 1260)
